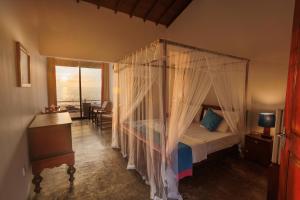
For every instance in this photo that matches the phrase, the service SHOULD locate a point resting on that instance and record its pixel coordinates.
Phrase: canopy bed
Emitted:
(158, 91)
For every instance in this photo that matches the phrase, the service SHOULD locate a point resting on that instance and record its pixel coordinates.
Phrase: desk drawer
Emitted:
(45, 142)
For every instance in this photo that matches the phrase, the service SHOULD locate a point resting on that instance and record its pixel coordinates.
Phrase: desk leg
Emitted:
(37, 179)
(101, 121)
(71, 171)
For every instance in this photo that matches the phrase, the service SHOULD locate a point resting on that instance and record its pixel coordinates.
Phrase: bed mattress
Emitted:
(204, 142)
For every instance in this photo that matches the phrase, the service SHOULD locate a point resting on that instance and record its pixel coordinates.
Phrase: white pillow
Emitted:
(223, 126)
(204, 113)
(197, 117)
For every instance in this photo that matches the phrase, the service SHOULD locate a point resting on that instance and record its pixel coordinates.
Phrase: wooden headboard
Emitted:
(206, 107)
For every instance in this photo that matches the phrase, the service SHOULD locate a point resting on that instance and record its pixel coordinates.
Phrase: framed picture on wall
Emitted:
(23, 66)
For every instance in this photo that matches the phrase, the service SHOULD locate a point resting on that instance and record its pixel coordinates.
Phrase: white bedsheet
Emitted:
(204, 142)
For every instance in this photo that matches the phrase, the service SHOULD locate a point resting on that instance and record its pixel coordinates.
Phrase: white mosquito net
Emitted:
(157, 93)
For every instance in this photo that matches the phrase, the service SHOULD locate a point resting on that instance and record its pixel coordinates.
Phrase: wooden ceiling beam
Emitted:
(150, 9)
(178, 13)
(165, 17)
(117, 6)
(165, 11)
(136, 3)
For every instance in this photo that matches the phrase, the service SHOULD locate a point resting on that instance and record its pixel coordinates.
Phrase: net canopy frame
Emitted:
(158, 91)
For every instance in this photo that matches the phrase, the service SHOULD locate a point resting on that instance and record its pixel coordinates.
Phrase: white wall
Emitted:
(258, 29)
(73, 30)
(18, 22)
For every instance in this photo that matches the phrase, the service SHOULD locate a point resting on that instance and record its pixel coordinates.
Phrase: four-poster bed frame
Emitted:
(135, 137)
(165, 42)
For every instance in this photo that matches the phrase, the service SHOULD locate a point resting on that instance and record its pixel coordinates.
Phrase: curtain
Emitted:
(51, 82)
(152, 110)
(191, 84)
(115, 120)
(51, 75)
(105, 82)
(141, 109)
(229, 82)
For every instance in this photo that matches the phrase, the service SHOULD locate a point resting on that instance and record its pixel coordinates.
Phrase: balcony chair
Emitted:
(104, 118)
(96, 110)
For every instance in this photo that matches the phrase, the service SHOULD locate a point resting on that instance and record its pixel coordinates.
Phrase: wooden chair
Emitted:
(93, 110)
(98, 109)
(104, 119)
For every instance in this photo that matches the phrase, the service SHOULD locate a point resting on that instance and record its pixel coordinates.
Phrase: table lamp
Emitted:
(266, 120)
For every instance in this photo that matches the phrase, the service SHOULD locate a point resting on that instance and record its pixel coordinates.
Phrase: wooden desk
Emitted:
(50, 145)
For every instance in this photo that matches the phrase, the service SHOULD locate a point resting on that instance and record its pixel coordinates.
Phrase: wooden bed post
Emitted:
(164, 95)
(246, 94)
(164, 82)
(118, 98)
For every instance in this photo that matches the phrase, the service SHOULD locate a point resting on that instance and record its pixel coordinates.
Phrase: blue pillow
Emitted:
(211, 120)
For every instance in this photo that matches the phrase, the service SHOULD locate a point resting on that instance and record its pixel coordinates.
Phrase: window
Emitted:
(76, 87)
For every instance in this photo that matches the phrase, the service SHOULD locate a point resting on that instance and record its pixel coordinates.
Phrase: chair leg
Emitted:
(105, 123)
(93, 117)
(101, 124)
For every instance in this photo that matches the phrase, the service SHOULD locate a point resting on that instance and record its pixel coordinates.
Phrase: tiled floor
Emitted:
(101, 174)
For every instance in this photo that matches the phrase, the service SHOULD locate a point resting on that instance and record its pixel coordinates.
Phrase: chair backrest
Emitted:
(106, 106)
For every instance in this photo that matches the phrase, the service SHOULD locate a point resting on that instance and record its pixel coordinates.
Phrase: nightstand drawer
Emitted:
(258, 149)
(254, 141)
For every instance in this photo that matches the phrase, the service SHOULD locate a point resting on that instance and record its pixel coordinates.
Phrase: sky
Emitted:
(67, 83)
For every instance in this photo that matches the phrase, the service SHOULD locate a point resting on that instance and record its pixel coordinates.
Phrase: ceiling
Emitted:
(162, 12)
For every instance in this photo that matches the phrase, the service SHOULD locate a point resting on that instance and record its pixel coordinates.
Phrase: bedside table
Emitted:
(258, 149)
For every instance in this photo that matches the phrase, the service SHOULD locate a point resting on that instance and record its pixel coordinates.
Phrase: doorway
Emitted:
(78, 87)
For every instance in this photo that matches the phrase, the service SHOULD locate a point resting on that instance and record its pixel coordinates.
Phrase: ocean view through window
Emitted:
(77, 87)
